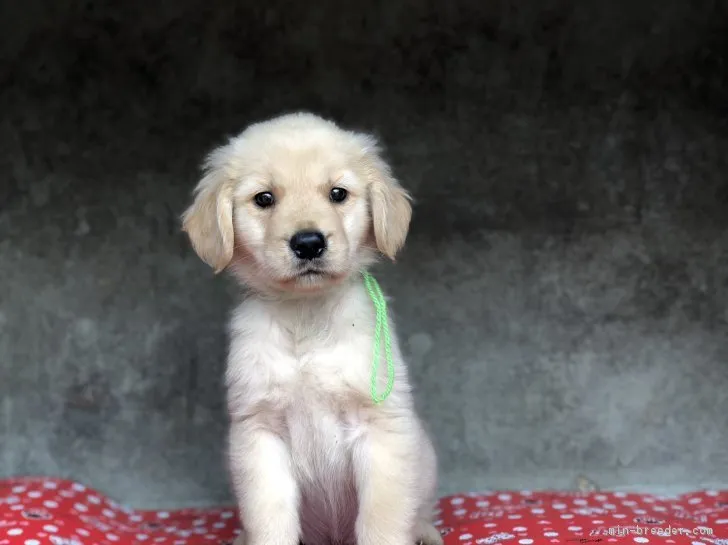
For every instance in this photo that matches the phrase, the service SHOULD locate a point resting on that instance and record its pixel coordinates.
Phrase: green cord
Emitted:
(381, 328)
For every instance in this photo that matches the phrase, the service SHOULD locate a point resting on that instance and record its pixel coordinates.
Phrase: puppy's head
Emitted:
(296, 204)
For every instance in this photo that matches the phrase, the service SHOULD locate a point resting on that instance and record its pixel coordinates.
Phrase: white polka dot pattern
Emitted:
(539, 518)
(35, 511)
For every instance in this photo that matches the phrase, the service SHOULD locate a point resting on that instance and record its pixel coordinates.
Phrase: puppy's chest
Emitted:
(316, 370)
(316, 394)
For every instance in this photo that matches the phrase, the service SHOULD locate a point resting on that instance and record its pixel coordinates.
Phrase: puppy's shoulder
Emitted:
(248, 317)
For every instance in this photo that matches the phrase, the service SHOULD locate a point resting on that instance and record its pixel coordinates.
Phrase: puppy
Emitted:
(295, 208)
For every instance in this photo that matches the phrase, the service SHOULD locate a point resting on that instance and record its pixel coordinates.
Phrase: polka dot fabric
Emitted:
(58, 512)
(36, 511)
(546, 518)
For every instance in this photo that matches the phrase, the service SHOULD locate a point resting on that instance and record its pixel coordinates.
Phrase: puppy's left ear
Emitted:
(390, 203)
(209, 219)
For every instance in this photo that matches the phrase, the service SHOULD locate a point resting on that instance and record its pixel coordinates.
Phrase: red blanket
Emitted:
(39, 511)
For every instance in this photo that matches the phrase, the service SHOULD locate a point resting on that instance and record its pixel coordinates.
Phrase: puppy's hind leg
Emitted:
(426, 533)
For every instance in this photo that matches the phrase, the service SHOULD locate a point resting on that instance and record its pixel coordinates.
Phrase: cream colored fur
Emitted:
(312, 457)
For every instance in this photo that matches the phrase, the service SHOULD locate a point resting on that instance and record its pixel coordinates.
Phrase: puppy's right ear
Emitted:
(209, 220)
(391, 208)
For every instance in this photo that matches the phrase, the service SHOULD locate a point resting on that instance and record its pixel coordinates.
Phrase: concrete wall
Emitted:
(563, 296)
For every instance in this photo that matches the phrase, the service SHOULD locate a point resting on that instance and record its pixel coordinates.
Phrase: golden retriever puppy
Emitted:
(296, 208)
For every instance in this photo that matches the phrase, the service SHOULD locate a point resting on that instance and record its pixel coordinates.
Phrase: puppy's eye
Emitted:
(264, 199)
(338, 194)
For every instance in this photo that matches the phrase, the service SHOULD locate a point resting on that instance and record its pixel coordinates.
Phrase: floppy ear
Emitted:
(390, 203)
(209, 219)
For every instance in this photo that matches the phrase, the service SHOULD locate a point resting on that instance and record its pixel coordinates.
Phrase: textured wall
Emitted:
(563, 296)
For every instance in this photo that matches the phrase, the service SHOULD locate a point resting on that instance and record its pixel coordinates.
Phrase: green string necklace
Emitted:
(381, 329)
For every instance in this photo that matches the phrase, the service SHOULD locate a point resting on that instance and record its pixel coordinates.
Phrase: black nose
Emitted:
(308, 244)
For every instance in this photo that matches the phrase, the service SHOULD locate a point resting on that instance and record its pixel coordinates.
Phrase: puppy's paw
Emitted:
(426, 534)
(241, 540)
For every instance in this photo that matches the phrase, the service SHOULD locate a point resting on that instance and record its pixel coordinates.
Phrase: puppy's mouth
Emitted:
(312, 277)
(311, 272)
(306, 275)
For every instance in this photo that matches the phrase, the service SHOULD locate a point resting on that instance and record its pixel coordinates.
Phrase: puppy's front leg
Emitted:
(263, 482)
(385, 479)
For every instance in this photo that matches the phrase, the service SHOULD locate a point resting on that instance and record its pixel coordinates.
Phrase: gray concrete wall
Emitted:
(563, 296)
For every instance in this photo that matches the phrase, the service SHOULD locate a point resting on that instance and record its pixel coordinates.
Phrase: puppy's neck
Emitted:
(297, 309)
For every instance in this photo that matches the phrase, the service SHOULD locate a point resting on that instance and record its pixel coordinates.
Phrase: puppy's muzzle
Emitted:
(308, 245)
